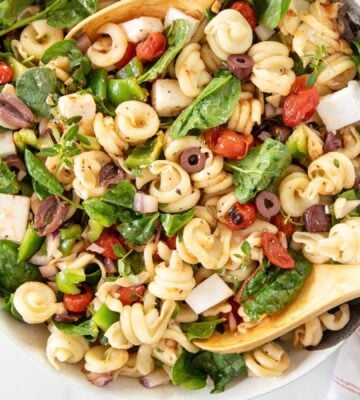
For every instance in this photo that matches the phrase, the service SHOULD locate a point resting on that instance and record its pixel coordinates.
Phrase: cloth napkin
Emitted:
(345, 384)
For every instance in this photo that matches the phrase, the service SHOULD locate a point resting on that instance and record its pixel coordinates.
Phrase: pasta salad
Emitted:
(173, 176)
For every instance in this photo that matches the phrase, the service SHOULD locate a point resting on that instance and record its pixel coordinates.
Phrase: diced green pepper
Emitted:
(120, 90)
(68, 237)
(297, 142)
(67, 280)
(25, 137)
(144, 155)
(133, 69)
(95, 230)
(104, 317)
(30, 244)
(98, 83)
(17, 68)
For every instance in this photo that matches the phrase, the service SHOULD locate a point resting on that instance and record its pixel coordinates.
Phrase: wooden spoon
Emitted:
(128, 9)
(328, 286)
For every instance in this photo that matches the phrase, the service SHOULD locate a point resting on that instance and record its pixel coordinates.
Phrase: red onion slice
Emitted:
(95, 248)
(48, 270)
(156, 378)
(145, 203)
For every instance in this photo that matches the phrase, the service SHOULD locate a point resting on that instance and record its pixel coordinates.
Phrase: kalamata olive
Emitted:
(15, 162)
(110, 174)
(14, 113)
(267, 204)
(192, 160)
(50, 215)
(332, 142)
(316, 219)
(240, 65)
(279, 132)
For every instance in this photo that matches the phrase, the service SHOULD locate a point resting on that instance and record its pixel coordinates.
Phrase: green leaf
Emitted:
(213, 107)
(67, 280)
(119, 251)
(85, 328)
(34, 87)
(14, 273)
(10, 9)
(270, 12)
(141, 230)
(41, 174)
(261, 168)
(68, 14)
(311, 80)
(172, 223)
(101, 212)
(8, 305)
(200, 330)
(176, 37)
(122, 194)
(183, 374)
(8, 182)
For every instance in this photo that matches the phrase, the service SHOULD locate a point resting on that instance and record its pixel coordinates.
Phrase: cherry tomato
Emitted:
(275, 253)
(286, 227)
(130, 53)
(152, 47)
(301, 103)
(240, 216)
(131, 295)
(6, 73)
(246, 10)
(108, 239)
(170, 242)
(79, 302)
(227, 143)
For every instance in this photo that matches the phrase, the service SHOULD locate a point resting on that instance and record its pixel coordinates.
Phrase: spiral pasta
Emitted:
(109, 49)
(267, 361)
(200, 245)
(36, 302)
(173, 281)
(175, 147)
(139, 364)
(291, 20)
(228, 33)
(65, 349)
(136, 121)
(350, 138)
(38, 36)
(272, 71)
(190, 70)
(310, 246)
(212, 62)
(101, 359)
(172, 187)
(87, 168)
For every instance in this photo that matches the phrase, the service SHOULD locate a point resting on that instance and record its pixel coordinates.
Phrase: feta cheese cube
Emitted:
(7, 145)
(138, 29)
(174, 13)
(14, 215)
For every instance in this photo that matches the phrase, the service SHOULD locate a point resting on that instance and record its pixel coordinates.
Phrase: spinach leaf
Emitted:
(41, 174)
(121, 194)
(220, 367)
(283, 289)
(39, 189)
(355, 45)
(270, 12)
(34, 87)
(213, 107)
(172, 223)
(14, 273)
(261, 168)
(8, 305)
(100, 212)
(141, 230)
(183, 374)
(200, 330)
(85, 328)
(10, 9)
(136, 262)
(176, 37)
(8, 182)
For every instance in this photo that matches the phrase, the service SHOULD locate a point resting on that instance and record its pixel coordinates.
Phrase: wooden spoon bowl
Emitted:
(327, 286)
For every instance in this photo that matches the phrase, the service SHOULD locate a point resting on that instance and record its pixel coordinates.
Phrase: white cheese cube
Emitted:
(76, 104)
(208, 293)
(341, 108)
(138, 29)
(7, 145)
(14, 215)
(167, 98)
(174, 13)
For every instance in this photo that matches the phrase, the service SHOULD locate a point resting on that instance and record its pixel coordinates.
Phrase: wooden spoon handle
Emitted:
(328, 286)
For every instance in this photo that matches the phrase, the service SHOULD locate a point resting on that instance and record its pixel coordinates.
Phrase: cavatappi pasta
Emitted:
(161, 178)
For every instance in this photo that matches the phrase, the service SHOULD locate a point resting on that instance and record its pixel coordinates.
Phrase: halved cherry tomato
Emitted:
(301, 103)
(130, 53)
(6, 73)
(170, 242)
(108, 239)
(286, 227)
(152, 47)
(240, 216)
(79, 302)
(131, 295)
(227, 143)
(247, 11)
(274, 251)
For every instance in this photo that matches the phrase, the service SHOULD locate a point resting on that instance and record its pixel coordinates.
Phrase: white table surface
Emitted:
(20, 378)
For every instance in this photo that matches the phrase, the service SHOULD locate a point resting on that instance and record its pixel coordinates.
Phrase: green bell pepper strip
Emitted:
(95, 230)
(98, 83)
(66, 281)
(30, 244)
(104, 317)
(144, 154)
(120, 90)
(134, 69)
(68, 237)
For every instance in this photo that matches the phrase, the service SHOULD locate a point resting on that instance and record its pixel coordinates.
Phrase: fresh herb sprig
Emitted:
(317, 64)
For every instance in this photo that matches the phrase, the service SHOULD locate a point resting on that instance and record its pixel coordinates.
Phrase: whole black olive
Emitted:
(332, 142)
(193, 160)
(267, 204)
(316, 219)
(240, 65)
